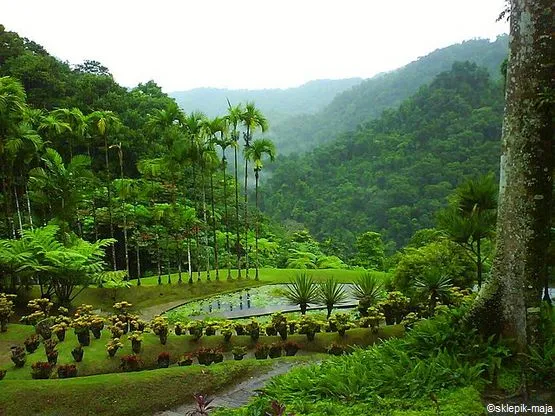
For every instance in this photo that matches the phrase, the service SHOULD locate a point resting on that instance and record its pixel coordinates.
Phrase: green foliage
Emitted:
(442, 255)
(394, 173)
(302, 291)
(368, 290)
(370, 251)
(331, 293)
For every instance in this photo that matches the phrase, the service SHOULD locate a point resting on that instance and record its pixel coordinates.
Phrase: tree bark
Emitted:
(509, 303)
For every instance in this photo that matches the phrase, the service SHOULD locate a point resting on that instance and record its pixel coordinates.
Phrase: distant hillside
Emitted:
(368, 99)
(393, 174)
(276, 104)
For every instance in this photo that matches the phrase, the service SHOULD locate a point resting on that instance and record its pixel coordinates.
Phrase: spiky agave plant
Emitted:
(302, 291)
(330, 293)
(435, 286)
(368, 290)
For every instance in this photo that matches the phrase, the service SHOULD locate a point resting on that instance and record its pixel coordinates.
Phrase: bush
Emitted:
(261, 351)
(67, 371)
(41, 370)
(131, 362)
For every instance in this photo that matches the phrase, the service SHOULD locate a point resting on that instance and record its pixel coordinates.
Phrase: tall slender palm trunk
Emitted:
(125, 245)
(206, 248)
(190, 269)
(256, 175)
(226, 218)
(246, 208)
(216, 265)
(18, 209)
(29, 207)
(108, 179)
(237, 240)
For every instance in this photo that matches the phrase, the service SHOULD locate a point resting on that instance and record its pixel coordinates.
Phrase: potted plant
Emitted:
(374, 317)
(179, 328)
(82, 330)
(195, 329)
(308, 326)
(261, 351)
(49, 345)
(137, 325)
(2, 374)
(205, 356)
(131, 362)
(239, 328)
(409, 320)
(279, 321)
(32, 343)
(336, 349)
(60, 331)
(227, 331)
(292, 326)
(211, 328)
(270, 330)
(238, 353)
(186, 360)
(18, 356)
(52, 357)
(6, 310)
(77, 353)
(67, 371)
(43, 327)
(253, 329)
(136, 340)
(341, 322)
(163, 359)
(41, 370)
(159, 326)
(218, 356)
(274, 350)
(116, 330)
(97, 325)
(291, 348)
(113, 346)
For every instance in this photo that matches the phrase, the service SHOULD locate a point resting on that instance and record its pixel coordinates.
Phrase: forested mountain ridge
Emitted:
(393, 174)
(368, 99)
(277, 104)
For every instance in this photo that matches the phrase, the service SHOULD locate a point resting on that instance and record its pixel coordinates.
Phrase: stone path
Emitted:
(237, 395)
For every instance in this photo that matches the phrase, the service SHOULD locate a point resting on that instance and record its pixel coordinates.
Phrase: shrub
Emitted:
(131, 362)
(367, 289)
(6, 310)
(253, 329)
(41, 370)
(77, 353)
(291, 348)
(239, 353)
(309, 326)
(159, 326)
(163, 359)
(113, 346)
(67, 371)
(18, 356)
(336, 349)
(60, 331)
(195, 329)
(261, 351)
(32, 343)
(185, 360)
(274, 350)
(205, 356)
(394, 307)
(136, 339)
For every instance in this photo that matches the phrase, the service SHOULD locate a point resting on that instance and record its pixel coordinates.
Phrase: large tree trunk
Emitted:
(509, 303)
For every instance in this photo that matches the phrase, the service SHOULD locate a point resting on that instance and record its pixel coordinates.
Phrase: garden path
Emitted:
(237, 395)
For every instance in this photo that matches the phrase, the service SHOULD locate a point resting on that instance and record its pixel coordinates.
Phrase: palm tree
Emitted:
(368, 290)
(12, 109)
(256, 153)
(234, 119)
(330, 293)
(224, 142)
(124, 191)
(77, 123)
(60, 187)
(193, 125)
(302, 291)
(105, 123)
(435, 287)
(252, 119)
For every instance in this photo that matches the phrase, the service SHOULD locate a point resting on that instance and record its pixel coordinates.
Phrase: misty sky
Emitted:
(248, 43)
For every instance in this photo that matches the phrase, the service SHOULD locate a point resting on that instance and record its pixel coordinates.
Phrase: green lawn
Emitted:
(124, 394)
(150, 293)
(96, 360)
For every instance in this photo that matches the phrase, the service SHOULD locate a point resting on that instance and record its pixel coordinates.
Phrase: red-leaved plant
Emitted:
(203, 405)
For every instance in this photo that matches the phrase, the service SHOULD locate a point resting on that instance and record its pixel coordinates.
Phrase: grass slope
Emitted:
(96, 360)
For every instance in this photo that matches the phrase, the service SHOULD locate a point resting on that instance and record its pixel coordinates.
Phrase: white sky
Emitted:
(248, 43)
